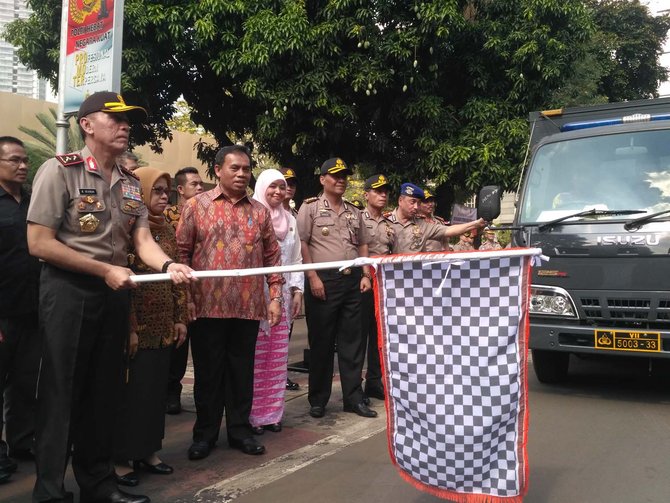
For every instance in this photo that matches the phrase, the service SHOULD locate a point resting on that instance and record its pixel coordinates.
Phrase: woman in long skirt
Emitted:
(270, 367)
(158, 320)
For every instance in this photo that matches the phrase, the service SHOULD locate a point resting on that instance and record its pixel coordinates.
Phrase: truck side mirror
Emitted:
(488, 202)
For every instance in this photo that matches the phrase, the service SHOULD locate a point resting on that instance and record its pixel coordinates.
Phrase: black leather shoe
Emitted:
(131, 479)
(257, 430)
(292, 386)
(159, 469)
(173, 406)
(375, 392)
(7, 464)
(199, 450)
(274, 427)
(317, 411)
(118, 497)
(362, 410)
(366, 399)
(4, 476)
(248, 445)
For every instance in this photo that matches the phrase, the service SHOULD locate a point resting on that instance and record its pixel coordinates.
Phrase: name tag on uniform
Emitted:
(88, 192)
(131, 192)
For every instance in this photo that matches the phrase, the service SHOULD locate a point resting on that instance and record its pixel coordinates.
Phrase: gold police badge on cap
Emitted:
(88, 223)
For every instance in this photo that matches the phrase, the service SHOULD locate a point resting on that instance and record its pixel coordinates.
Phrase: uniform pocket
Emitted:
(131, 207)
(90, 204)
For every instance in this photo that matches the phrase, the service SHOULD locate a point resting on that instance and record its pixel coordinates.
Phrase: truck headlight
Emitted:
(552, 301)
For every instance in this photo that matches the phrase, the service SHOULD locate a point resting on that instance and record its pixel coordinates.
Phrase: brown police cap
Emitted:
(109, 102)
(288, 173)
(333, 166)
(376, 182)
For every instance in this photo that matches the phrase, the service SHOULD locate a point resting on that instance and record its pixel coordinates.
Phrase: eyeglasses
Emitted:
(16, 161)
(160, 190)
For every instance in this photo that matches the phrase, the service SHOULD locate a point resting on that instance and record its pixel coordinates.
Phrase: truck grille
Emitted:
(649, 308)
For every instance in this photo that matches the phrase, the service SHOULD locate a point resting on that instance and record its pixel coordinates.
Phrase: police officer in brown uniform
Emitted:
(380, 237)
(84, 212)
(411, 232)
(427, 212)
(331, 229)
(291, 187)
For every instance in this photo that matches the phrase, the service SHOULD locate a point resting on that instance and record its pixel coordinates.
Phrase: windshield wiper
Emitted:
(588, 213)
(638, 222)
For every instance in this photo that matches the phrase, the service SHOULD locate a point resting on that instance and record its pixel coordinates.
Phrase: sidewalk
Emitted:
(227, 473)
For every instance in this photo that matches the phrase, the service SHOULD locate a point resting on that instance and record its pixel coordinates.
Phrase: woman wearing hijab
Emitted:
(270, 367)
(157, 321)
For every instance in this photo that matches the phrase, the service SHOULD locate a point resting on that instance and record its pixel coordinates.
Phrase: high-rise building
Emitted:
(14, 77)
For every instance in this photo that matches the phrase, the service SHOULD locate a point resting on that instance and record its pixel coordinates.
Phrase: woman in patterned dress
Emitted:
(158, 320)
(270, 367)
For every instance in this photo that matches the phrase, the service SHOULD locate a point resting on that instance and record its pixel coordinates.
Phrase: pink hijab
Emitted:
(280, 217)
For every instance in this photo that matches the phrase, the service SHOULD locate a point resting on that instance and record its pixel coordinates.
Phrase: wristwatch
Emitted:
(166, 265)
(279, 299)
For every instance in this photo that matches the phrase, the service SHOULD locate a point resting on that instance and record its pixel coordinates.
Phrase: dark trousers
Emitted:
(19, 366)
(373, 375)
(223, 351)
(336, 320)
(84, 325)
(178, 363)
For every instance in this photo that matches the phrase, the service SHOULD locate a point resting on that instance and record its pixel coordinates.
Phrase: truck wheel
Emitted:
(551, 367)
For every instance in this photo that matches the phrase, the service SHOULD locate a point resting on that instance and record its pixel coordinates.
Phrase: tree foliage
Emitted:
(42, 143)
(621, 60)
(424, 90)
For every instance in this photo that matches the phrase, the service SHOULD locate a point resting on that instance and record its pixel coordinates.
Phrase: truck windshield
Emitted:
(624, 171)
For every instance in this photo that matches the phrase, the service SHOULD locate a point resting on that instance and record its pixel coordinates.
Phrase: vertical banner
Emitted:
(453, 340)
(91, 42)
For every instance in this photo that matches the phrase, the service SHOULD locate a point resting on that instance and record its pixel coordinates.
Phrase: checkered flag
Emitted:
(453, 339)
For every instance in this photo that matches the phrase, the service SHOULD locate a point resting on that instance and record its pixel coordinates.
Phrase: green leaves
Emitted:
(433, 90)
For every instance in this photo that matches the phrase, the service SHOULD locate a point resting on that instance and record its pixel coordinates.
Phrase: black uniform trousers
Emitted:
(336, 320)
(178, 363)
(223, 351)
(84, 325)
(19, 366)
(373, 374)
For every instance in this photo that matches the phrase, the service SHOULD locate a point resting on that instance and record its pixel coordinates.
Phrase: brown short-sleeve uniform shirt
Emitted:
(433, 245)
(380, 234)
(412, 236)
(89, 215)
(329, 235)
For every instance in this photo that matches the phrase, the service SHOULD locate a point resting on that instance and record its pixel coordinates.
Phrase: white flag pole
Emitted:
(62, 124)
(345, 264)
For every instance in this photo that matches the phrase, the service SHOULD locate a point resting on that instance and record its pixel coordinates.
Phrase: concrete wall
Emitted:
(19, 110)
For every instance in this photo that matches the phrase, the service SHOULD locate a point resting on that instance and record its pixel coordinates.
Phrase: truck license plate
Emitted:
(623, 340)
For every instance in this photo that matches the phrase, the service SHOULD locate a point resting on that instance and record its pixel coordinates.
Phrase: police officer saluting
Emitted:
(84, 212)
(331, 229)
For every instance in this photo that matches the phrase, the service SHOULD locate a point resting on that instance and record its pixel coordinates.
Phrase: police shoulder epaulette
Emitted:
(349, 203)
(128, 173)
(71, 159)
(440, 220)
(387, 214)
(311, 200)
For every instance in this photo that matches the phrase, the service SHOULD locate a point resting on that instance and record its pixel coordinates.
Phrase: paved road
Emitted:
(604, 436)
